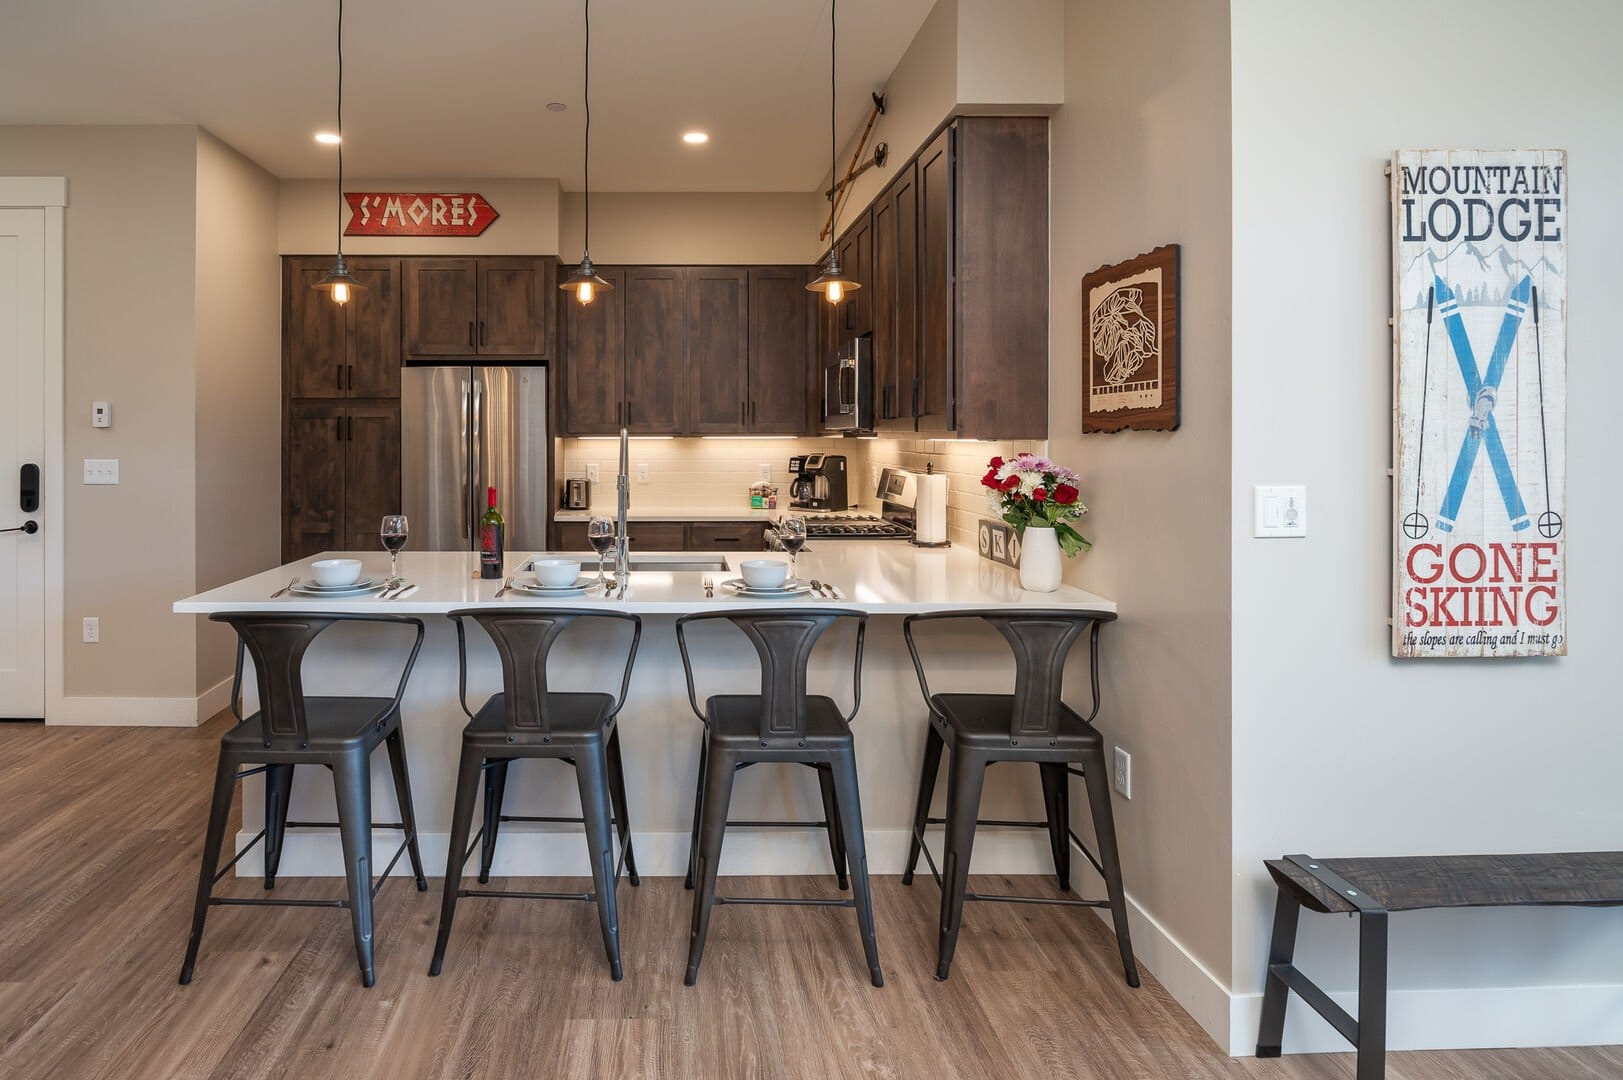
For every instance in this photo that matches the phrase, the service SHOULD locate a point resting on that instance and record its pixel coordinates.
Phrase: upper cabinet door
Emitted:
(904, 300)
(856, 259)
(442, 307)
(315, 333)
(515, 296)
(779, 338)
(932, 386)
(593, 396)
(656, 350)
(718, 350)
(372, 364)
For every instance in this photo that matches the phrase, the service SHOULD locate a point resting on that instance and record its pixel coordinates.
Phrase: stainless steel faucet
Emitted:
(622, 540)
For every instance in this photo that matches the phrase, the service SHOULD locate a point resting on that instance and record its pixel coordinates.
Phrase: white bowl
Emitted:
(764, 573)
(334, 573)
(556, 573)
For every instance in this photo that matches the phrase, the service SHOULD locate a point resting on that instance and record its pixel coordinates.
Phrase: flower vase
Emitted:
(1041, 566)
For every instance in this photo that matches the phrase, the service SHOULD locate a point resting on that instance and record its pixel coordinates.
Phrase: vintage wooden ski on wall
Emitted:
(1479, 410)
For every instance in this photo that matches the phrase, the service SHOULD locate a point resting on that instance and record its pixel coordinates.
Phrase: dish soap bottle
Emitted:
(491, 546)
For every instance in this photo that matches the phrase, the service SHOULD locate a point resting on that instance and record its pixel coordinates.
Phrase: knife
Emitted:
(407, 591)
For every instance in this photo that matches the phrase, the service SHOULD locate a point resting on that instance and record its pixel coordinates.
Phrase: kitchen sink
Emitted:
(675, 564)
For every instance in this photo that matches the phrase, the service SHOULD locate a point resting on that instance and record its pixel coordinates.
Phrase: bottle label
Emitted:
(490, 550)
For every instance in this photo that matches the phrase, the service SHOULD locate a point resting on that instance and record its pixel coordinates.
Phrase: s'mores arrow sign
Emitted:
(1480, 402)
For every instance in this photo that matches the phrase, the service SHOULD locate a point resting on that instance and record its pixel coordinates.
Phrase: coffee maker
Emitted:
(818, 482)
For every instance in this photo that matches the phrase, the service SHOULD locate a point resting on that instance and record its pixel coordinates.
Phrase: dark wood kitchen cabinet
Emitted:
(593, 385)
(670, 536)
(895, 301)
(656, 390)
(341, 474)
(855, 250)
(931, 392)
(718, 348)
(780, 311)
(341, 350)
(490, 306)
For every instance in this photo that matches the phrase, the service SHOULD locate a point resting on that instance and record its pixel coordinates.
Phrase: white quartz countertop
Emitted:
(883, 577)
(668, 513)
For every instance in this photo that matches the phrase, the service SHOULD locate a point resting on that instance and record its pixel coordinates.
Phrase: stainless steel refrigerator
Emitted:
(464, 429)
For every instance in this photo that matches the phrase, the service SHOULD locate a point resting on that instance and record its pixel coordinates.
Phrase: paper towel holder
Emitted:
(937, 508)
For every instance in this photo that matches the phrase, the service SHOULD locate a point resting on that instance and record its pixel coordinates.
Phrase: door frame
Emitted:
(50, 194)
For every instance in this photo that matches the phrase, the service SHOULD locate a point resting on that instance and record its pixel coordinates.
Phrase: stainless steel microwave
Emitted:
(848, 387)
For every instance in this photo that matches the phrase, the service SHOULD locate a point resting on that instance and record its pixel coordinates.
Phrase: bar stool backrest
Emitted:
(277, 642)
(784, 639)
(1041, 641)
(524, 638)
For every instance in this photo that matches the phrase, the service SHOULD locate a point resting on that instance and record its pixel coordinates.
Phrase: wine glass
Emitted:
(600, 532)
(393, 531)
(792, 535)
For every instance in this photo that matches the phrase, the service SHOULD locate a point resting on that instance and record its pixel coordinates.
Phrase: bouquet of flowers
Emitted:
(1030, 490)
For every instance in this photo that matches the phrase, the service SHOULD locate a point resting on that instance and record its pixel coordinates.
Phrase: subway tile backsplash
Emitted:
(962, 460)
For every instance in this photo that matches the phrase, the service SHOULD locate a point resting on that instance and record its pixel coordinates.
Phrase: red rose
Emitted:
(997, 463)
(1039, 494)
(1011, 483)
(990, 479)
(1065, 494)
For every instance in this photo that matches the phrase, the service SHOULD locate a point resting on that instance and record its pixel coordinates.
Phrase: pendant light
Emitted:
(584, 281)
(337, 282)
(831, 281)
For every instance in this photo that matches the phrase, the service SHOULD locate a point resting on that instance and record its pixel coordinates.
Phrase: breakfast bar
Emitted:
(660, 734)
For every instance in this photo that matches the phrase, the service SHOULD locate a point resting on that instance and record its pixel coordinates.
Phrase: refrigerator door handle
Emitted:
(467, 495)
(478, 446)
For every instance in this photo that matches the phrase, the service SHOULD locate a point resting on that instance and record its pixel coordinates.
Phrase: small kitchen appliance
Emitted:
(818, 482)
(848, 388)
(577, 493)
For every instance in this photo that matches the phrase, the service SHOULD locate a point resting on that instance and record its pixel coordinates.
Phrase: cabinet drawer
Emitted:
(572, 536)
(657, 535)
(726, 536)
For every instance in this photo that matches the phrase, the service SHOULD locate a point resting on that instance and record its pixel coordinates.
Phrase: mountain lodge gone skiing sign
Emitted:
(1480, 395)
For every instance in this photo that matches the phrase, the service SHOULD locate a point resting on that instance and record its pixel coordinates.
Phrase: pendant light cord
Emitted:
(833, 155)
(586, 169)
(341, 200)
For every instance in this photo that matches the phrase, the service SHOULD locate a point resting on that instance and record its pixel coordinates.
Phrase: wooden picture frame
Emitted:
(1130, 344)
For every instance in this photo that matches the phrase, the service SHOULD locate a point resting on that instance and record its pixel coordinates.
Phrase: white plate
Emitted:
(317, 587)
(358, 589)
(535, 587)
(790, 588)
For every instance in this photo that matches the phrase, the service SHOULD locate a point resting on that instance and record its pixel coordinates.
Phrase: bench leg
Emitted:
(1281, 951)
(1372, 995)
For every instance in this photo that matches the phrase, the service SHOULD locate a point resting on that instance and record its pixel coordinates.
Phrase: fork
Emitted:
(284, 588)
(709, 588)
(505, 586)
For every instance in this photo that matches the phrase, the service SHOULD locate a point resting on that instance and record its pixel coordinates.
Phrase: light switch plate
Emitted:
(1281, 510)
(101, 470)
(591, 472)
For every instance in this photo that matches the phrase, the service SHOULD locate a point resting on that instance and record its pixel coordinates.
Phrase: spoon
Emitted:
(817, 587)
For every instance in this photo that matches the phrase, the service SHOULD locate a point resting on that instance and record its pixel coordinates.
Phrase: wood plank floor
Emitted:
(99, 836)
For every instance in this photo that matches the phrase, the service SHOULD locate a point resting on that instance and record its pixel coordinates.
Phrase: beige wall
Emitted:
(1339, 748)
(1140, 158)
(528, 223)
(239, 383)
(130, 328)
(693, 228)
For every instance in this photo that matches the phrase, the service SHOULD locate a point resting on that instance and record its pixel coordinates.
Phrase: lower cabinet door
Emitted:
(372, 472)
(726, 536)
(657, 535)
(314, 480)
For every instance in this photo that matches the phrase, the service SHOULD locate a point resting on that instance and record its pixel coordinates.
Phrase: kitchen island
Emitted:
(659, 733)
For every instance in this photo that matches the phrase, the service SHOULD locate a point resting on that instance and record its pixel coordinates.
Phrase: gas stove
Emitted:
(853, 526)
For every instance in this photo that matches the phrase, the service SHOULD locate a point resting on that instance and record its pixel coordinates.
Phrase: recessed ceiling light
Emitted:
(328, 138)
(695, 138)
(556, 106)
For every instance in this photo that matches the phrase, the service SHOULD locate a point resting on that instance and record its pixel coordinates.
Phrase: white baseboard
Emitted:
(142, 711)
(539, 853)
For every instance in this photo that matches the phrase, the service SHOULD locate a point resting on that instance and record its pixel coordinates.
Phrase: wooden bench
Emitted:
(1371, 888)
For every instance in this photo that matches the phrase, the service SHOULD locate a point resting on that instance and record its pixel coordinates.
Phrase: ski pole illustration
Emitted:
(1415, 525)
(1549, 522)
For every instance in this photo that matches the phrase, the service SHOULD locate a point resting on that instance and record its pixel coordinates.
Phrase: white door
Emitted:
(22, 443)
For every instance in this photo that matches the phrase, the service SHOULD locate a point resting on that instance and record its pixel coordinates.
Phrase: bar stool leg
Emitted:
(467, 789)
(617, 792)
(843, 778)
(278, 790)
(592, 772)
(495, 789)
(396, 744)
(698, 808)
(1057, 800)
(352, 779)
(1104, 834)
(964, 780)
(225, 785)
(831, 818)
(718, 793)
(921, 811)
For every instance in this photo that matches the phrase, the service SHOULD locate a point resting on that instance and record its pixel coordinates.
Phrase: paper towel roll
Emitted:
(930, 510)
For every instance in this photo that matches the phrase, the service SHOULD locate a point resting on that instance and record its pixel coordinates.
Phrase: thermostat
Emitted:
(101, 414)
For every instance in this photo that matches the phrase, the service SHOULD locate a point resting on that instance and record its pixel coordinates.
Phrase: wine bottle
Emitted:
(491, 546)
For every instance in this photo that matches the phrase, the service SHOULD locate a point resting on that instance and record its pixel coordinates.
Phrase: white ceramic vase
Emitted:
(1041, 563)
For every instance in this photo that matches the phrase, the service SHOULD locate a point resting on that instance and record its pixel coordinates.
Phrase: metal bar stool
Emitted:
(786, 725)
(526, 720)
(1031, 725)
(292, 729)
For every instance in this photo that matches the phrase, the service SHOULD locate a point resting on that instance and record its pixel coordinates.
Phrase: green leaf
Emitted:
(1070, 541)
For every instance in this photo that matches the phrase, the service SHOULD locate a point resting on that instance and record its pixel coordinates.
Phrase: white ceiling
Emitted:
(456, 88)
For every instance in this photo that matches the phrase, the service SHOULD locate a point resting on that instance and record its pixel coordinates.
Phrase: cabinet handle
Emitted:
(338, 375)
(351, 376)
(628, 412)
(916, 396)
(752, 412)
(743, 417)
(350, 429)
(338, 429)
(470, 333)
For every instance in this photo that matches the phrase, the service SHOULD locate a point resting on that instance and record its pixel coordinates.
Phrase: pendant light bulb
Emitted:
(584, 281)
(340, 293)
(585, 293)
(834, 292)
(338, 283)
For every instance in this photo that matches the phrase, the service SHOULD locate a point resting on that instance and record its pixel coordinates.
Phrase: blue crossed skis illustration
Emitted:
(1483, 389)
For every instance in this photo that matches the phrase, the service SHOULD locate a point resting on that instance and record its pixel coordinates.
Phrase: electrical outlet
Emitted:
(101, 470)
(766, 471)
(92, 630)
(642, 472)
(1124, 773)
(591, 472)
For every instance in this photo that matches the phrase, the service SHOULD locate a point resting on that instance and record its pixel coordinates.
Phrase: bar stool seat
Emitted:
(737, 718)
(986, 720)
(332, 723)
(575, 717)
